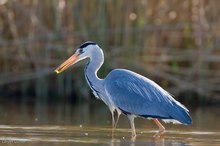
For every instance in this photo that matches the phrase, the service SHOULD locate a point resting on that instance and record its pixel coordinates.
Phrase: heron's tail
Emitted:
(181, 114)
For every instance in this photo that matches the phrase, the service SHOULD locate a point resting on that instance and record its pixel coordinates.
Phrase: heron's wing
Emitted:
(135, 94)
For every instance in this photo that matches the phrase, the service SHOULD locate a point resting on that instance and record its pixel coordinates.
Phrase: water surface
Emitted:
(90, 124)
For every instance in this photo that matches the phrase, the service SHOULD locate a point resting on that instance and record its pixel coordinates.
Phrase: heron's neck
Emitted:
(95, 83)
(91, 70)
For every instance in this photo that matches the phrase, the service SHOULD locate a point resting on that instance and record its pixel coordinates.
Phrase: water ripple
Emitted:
(99, 136)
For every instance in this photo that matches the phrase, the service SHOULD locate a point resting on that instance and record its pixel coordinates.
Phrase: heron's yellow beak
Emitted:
(67, 63)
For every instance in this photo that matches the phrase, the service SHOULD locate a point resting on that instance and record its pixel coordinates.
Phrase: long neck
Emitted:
(91, 69)
(95, 83)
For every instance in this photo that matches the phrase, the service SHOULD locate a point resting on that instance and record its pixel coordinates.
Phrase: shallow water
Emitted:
(91, 125)
(66, 135)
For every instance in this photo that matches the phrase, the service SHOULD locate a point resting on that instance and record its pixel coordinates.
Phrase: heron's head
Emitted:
(85, 50)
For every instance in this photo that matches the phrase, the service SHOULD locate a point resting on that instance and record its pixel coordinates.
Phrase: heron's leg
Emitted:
(116, 121)
(161, 128)
(131, 118)
(113, 119)
(119, 113)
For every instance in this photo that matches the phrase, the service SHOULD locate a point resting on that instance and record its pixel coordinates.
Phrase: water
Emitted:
(64, 124)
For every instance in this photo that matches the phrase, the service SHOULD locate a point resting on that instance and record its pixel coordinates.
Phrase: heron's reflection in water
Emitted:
(141, 141)
(133, 141)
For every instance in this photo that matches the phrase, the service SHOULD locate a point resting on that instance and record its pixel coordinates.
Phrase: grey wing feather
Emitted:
(135, 94)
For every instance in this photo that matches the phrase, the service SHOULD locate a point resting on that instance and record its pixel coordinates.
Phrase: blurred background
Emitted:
(173, 42)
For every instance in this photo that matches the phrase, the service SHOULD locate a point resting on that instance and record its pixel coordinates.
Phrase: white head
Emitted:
(87, 49)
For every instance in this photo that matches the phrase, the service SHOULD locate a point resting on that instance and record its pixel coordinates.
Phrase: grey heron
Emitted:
(127, 92)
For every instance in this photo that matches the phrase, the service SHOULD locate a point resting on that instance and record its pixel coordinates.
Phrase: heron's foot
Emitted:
(133, 137)
(160, 133)
(161, 129)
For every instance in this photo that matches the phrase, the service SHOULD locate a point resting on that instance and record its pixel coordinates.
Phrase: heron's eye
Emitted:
(81, 51)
